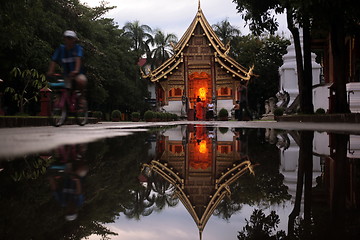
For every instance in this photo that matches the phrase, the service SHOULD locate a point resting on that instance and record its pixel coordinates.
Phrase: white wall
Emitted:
(173, 107)
(353, 89)
(227, 104)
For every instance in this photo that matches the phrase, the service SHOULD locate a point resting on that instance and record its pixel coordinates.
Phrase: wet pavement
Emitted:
(33, 139)
(181, 180)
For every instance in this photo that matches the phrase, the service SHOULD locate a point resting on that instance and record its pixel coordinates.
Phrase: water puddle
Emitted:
(187, 182)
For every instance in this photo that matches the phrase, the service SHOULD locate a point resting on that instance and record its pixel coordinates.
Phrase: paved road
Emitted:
(26, 140)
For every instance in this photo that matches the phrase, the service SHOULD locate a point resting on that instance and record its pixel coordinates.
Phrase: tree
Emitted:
(109, 55)
(340, 19)
(225, 31)
(261, 227)
(337, 19)
(140, 37)
(265, 53)
(28, 82)
(163, 47)
(259, 13)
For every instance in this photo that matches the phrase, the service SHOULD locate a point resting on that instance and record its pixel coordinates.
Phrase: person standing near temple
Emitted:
(199, 109)
(210, 111)
(244, 112)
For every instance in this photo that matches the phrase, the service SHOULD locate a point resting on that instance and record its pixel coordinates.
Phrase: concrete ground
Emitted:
(25, 140)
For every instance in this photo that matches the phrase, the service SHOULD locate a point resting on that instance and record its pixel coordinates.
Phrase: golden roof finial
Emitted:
(199, 5)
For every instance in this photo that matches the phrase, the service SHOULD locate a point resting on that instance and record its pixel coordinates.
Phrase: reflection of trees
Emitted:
(305, 168)
(27, 207)
(139, 203)
(227, 208)
(320, 220)
(261, 227)
(28, 167)
(164, 192)
(266, 187)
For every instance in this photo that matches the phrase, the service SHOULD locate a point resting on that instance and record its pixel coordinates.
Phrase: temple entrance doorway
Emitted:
(200, 86)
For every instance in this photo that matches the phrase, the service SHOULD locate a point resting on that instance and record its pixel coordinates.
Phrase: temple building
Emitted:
(200, 67)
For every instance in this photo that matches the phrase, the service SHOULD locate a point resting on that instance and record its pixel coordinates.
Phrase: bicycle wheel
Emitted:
(81, 110)
(57, 113)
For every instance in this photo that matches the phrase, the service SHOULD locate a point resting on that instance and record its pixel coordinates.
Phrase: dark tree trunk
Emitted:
(305, 166)
(338, 203)
(307, 101)
(337, 35)
(299, 59)
(306, 154)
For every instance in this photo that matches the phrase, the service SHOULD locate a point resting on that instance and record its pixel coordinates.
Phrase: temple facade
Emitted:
(200, 68)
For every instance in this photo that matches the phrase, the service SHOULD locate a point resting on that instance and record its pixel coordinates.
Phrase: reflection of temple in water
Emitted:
(200, 166)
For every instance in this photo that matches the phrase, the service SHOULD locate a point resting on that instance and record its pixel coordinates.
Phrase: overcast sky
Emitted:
(174, 16)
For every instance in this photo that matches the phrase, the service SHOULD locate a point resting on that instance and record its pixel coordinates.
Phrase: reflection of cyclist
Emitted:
(66, 178)
(68, 56)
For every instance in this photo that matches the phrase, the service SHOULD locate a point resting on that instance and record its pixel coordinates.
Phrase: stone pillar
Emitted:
(44, 101)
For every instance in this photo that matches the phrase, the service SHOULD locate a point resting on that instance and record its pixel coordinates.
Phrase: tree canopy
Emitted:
(32, 29)
(336, 18)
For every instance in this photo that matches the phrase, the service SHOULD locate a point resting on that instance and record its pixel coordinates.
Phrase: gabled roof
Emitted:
(221, 53)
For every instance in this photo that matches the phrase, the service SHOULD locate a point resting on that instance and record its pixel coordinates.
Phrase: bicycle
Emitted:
(64, 101)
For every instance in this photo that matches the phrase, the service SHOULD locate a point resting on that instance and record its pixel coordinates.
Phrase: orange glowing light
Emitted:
(202, 147)
(202, 93)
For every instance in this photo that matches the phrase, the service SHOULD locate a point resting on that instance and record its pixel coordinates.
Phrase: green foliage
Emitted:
(98, 115)
(109, 59)
(175, 117)
(139, 36)
(261, 226)
(223, 130)
(278, 111)
(163, 49)
(135, 116)
(223, 113)
(26, 87)
(320, 111)
(265, 53)
(225, 31)
(149, 115)
(116, 115)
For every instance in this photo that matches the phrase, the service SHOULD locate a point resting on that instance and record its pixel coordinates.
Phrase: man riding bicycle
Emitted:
(68, 96)
(68, 56)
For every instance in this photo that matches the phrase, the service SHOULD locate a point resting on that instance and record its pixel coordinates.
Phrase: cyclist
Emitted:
(69, 56)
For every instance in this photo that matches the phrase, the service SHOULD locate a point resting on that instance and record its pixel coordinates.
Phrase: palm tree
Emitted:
(163, 48)
(140, 204)
(225, 31)
(165, 192)
(140, 36)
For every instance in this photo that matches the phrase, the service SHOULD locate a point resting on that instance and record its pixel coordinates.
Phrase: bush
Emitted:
(169, 116)
(135, 115)
(175, 117)
(223, 113)
(115, 115)
(98, 115)
(149, 115)
(158, 115)
(223, 130)
(320, 111)
(278, 111)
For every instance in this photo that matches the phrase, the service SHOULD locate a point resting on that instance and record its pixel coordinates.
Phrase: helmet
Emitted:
(69, 33)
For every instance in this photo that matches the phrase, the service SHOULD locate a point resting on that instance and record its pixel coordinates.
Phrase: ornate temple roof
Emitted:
(220, 52)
